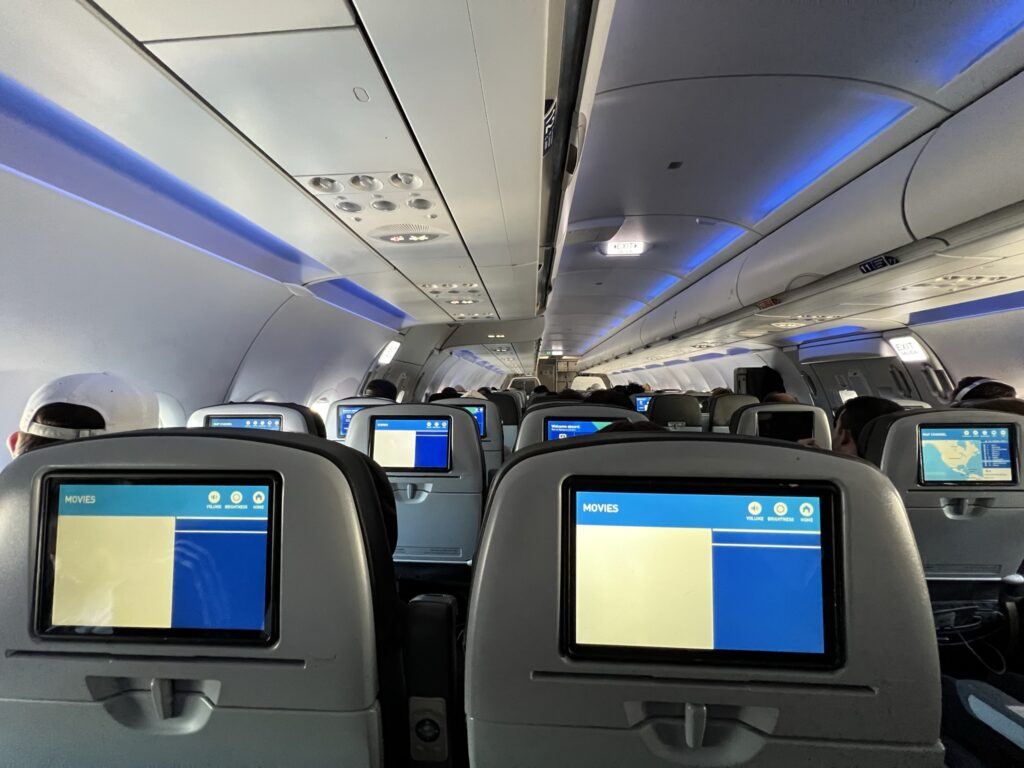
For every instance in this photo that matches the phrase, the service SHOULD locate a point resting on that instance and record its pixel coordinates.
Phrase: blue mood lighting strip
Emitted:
(993, 305)
(828, 333)
(882, 112)
(972, 42)
(47, 145)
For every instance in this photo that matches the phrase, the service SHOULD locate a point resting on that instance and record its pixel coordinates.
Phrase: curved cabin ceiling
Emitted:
(716, 123)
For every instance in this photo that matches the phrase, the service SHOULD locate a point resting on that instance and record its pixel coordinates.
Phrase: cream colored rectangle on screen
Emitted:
(395, 448)
(639, 586)
(113, 571)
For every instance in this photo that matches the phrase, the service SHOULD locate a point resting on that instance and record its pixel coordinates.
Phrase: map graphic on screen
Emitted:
(962, 454)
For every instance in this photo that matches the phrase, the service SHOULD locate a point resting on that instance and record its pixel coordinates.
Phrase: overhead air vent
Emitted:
(406, 234)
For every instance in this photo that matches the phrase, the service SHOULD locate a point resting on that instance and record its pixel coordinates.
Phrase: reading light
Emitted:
(389, 351)
(908, 350)
(788, 324)
(622, 247)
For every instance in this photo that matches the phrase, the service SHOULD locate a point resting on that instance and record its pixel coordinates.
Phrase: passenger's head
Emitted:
(570, 394)
(717, 391)
(981, 388)
(633, 426)
(853, 416)
(82, 405)
(381, 388)
(634, 389)
(540, 389)
(780, 397)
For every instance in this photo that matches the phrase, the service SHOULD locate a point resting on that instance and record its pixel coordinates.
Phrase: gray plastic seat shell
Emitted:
(291, 420)
(493, 444)
(527, 704)
(438, 513)
(308, 700)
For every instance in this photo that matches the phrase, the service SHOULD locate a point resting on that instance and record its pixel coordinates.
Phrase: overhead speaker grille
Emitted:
(399, 229)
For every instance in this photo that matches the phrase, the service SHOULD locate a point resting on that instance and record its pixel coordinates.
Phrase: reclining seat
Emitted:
(678, 412)
(340, 413)
(561, 420)
(547, 685)
(966, 531)
(323, 687)
(493, 439)
(271, 417)
(783, 421)
(722, 407)
(434, 462)
(511, 412)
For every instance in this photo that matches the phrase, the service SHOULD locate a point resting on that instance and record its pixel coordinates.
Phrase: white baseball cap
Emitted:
(123, 405)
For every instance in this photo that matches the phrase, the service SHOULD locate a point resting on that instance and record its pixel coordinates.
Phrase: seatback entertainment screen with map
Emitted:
(967, 454)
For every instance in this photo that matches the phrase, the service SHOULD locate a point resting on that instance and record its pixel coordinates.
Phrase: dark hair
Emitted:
(779, 397)
(855, 413)
(633, 426)
(59, 415)
(634, 389)
(570, 394)
(381, 388)
(540, 389)
(445, 394)
(990, 390)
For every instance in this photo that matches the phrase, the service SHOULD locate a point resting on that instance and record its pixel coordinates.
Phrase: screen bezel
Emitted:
(548, 419)
(831, 572)
(278, 416)
(482, 423)
(47, 542)
(412, 417)
(768, 414)
(340, 421)
(1012, 439)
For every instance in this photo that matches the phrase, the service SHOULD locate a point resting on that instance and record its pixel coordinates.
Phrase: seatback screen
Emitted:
(642, 403)
(785, 425)
(345, 414)
(245, 422)
(685, 570)
(412, 444)
(479, 413)
(561, 429)
(166, 557)
(967, 454)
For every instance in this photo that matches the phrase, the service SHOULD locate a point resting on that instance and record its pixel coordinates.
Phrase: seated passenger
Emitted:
(609, 397)
(980, 388)
(445, 394)
(381, 388)
(634, 389)
(570, 394)
(540, 389)
(720, 391)
(780, 397)
(82, 405)
(851, 418)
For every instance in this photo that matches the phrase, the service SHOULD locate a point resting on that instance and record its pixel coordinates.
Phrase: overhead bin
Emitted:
(972, 165)
(857, 222)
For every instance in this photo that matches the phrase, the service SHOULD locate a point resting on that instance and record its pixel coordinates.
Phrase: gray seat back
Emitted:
(540, 417)
(678, 412)
(340, 413)
(326, 690)
(966, 532)
(775, 420)
(511, 412)
(722, 407)
(529, 701)
(493, 440)
(438, 511)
